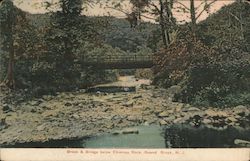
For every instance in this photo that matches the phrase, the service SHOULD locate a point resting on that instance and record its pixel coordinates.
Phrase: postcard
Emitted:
(125, 80)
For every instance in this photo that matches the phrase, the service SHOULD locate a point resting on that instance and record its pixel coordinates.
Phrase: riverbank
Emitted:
(72, 115)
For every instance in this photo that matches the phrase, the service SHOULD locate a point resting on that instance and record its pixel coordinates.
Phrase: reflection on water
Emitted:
(186, 136)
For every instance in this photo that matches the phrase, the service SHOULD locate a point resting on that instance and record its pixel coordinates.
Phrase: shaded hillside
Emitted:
(115, 32)
(121, 35)
(230, 24)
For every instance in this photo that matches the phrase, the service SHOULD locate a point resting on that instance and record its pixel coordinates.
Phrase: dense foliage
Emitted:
(211, 66)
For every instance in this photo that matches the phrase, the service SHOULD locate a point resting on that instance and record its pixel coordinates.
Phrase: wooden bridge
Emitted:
(129, 61)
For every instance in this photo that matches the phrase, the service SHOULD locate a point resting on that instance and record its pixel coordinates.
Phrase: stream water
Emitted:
(148, 137)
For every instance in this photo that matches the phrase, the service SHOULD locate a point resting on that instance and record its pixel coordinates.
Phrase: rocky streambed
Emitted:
(76, 115)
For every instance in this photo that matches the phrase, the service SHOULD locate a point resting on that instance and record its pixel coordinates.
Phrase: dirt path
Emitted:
(78, 114)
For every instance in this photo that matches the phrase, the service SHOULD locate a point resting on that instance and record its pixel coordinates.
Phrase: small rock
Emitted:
(164, 114)
(207, 121)
(179, 120)
(3, 124)
(107, 109)
(6, 108)
(146, 123)
(192, 124)
(163, 122)
(165, 104)
(237, 117)
(196, 119)
(178, 108)
(47, 97)
(147, 109)
(169, 119)
(117, 117)
(68, 104)
(82, 90)
(210, 112)
(130, 131)
(132, 118)
(137, 96)
(116, 132)
(41, 127)
(145, 86)
(98, 92)
(129, 103)
(191, 109)
(76, 104)
(76, 116)
(222, 114)
(232, 119)
(33, 110)
(110, 126)
(35, 103)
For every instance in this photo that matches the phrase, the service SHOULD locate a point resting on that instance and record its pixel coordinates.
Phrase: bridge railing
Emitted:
(116, 58)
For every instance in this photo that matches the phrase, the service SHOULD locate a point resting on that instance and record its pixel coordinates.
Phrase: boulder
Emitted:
(241, 110)
(174, 90)
(242, 143)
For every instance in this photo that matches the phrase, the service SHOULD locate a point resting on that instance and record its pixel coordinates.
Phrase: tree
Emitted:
(67, 33)
(195, 12)
(7, 18)
(62, 38)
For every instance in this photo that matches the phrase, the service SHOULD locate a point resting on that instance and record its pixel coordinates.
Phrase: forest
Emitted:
(202, 64)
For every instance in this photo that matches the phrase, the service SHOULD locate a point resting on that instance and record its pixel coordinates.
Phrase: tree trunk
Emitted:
(7, 31)
(9, 79)
(165, 34)
(193, 15)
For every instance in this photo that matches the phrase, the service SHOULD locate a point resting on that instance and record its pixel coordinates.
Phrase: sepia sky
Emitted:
(36, 6)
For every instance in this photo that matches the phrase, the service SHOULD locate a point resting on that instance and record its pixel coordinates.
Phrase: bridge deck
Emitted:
(118, 62)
